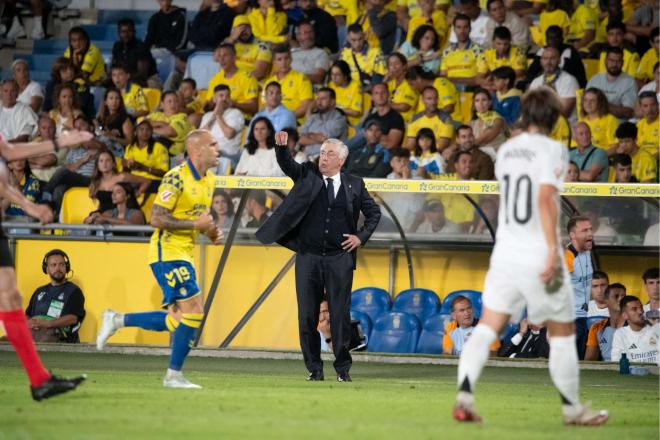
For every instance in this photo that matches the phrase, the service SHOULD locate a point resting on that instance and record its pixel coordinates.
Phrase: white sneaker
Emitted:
(38, 31)
(108, 328)
(175, 379)
(16, 30)
(585, 416)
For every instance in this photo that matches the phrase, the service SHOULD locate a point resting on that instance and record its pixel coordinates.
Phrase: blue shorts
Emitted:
(176, 279)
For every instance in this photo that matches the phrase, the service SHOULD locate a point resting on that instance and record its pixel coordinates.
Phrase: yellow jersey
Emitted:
(630, 62)
(438, 21)
(558, 17)
(603, 130)
(647, 136)
(516, 59)
(349, 97)
(447, 94)
(404, 93)
(92, 64)
(561, 132)
(179, 122)
(247, 55)
(296, 88)
(186, 195)
(582, 20)
(134, 99)
(351, 9)
(371, 61)
(158, 159)
(645, 68)
(270, 28)
(412, 6)
(644, 167)
(442, 127)
(242, 85)
(463, 63)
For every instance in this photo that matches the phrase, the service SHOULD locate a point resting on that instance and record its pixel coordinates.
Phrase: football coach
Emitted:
(318, 220)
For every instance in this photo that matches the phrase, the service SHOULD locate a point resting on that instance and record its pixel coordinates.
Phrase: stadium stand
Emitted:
(76, 205)
(395, 332)
(371, 300)
(430, 338)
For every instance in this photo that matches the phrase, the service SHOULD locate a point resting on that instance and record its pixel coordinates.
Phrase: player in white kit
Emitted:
(526, 268)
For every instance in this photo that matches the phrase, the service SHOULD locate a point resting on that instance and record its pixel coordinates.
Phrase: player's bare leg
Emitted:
(565, 374)
(471, 363)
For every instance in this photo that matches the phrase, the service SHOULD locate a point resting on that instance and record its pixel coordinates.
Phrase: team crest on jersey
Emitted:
(166, 195)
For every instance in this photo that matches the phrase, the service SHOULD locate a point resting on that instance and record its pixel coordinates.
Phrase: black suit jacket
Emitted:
(282, 226)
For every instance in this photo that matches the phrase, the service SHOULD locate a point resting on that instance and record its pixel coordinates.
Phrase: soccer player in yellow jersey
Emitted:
(462, 62)
(297, 93)
(437, 120)
(181, 211)
(242, 84)
(647, 127)
(615, 34)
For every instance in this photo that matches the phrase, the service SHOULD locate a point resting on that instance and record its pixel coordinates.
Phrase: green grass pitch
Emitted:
(264, 399)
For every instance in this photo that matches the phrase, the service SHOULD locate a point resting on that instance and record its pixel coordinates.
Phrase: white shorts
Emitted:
(508, 289)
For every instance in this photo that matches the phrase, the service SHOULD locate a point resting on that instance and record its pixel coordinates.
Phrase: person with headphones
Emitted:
(57, 309)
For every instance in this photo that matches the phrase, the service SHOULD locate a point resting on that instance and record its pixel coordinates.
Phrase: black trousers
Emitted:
(334, 275)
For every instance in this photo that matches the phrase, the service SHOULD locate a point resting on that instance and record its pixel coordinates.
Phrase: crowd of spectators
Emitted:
(440, 81)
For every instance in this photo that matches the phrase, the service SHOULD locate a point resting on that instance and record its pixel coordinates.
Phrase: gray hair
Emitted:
(343, 149)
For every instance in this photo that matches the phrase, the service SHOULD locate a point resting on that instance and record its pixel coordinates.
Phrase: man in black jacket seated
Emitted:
(319, 221)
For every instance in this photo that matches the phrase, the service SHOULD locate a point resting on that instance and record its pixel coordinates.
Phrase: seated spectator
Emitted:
(85, 56)
(425, 12)
(559, 80)
(372, 160)
(651, 279)
(463, 62)
(488, 126)
(478, 18)
(482, 167)
(56, 310)
(432, 118)
(432, 220)
(530, 342)
(105, 176)
(135, 101)
(43, 167)
(500, 16)
(647, 127)
(113, 126)
(619, 87)
(367, 62)
(390, 120)
(325, 27)
(124, 210)
(598, 302)
(461, 327)
(447, 95)
(251, 55)
(135, 55)
(570, 60)
(308, 59)
(168, 28)
(400, 164)
(226, 125)
(192, 103)
(258, 157)
(427, 162)
(348, 92)
(17, 120)
(622, 166)
(278, 115)
(296, 88)
(325, 122)
(64, 72)
(422, 49)
(268, 21)
(644, 166)
(211, 25)
(222, 209)
(602, 124)
(242, 84)
(638, 340)
(65, 108)
(146, 157)
(591, 161)
(649, 59)
(615, 38)
(582, 31)
(506, 99)
(379, 25)
(29, 92)
(406, 207)
(553, 15)
(21, 178)
(503, 53)
(572, 173)
(170, 124)
(256, 209)
(601, 333)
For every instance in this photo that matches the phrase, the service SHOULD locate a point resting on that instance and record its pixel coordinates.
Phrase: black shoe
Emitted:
(315, 375)
(344, 377)
(54, 386)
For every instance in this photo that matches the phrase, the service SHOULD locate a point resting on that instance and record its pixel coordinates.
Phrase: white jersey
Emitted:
(641, 346)
(524, 163)
(594, 310)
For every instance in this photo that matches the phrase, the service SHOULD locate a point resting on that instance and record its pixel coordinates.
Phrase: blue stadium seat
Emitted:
(472, 295)
(365, 322)
(430, 339)
(114, 15)
(164, 63)
(201, 67)
(594, 319)
(50, 46)
(419, 302)
(509, 331)
(394, 332)
(370, 300)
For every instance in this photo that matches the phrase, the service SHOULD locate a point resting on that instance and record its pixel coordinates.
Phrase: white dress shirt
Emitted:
(336, 182)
